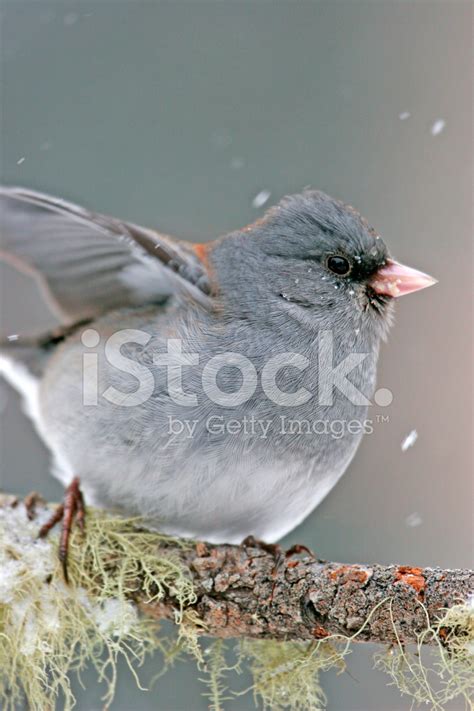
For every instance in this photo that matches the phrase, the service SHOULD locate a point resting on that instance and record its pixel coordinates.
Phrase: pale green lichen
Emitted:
(436, 675)
(49, 630)
(438, 670)
(286, 674)
(216, 669)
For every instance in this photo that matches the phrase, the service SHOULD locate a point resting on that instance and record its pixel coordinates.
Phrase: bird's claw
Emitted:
(30, 502)
(71, 510)
(275, 549)
(279, 554)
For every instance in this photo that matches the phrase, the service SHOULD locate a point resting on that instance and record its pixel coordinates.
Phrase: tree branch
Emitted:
(240, 592)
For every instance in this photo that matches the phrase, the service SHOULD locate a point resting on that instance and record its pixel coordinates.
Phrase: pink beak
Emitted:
(395, 279)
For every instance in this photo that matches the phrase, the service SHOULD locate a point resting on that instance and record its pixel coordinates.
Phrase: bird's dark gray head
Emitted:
(311, 257)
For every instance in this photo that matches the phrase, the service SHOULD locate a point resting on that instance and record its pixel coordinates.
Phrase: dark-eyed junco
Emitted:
(217, 389)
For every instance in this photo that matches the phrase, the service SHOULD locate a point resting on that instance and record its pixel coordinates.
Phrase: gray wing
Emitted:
(90, 263)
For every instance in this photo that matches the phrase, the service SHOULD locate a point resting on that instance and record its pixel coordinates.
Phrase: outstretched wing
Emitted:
(90, 263)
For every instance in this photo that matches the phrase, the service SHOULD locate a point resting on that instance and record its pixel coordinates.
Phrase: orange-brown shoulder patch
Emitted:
(201, 249)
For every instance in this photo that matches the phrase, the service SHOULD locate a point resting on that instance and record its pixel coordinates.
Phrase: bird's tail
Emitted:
(24, 359)
(22, 364)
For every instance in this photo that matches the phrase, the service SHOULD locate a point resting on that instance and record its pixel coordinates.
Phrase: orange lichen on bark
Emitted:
(201, 549)
(350, 572)
(359, 576)
(443, 633)
(335, 574)
(319, 632)
(411, 576)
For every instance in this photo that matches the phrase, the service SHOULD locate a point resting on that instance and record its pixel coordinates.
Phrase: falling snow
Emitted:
(13, 337)
(413, 520)
(261, 198)
(409, 440)
(21, 160)
(438, 127)
(404, 115)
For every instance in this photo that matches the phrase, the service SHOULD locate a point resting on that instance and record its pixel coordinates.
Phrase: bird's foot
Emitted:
(30, 503)
(70, 511)
(279, 554)
(273, 548)
(297, 549)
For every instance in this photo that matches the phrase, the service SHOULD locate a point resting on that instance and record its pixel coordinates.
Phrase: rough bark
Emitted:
(242, 592)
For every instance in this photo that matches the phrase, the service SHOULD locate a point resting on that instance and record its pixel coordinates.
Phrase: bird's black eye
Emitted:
(339, 265)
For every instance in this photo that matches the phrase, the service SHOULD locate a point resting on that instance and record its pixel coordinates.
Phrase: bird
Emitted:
(216, 390)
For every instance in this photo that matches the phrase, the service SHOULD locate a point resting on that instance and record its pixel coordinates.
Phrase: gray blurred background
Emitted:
(176, 115)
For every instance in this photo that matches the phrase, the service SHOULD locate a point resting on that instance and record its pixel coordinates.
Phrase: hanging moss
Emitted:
(286, 674)
(216, 669)
(436, 675)
(49, 631)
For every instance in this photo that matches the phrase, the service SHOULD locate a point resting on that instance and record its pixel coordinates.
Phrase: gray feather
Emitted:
(89, 263)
